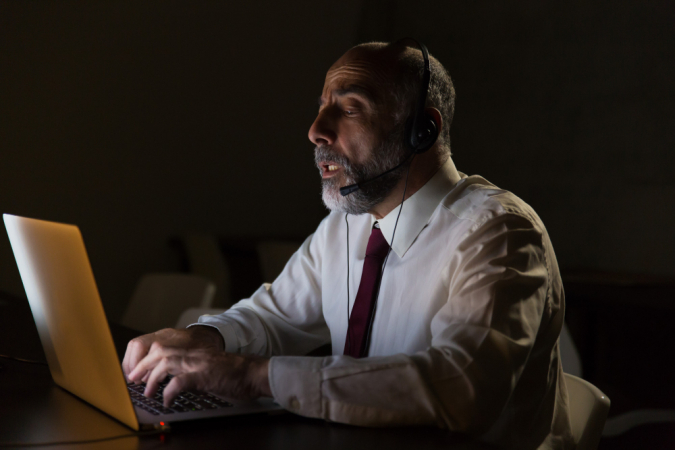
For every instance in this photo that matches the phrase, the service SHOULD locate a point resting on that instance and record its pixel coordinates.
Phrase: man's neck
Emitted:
(423, 167)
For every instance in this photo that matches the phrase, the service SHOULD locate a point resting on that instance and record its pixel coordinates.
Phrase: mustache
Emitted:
(323, 153)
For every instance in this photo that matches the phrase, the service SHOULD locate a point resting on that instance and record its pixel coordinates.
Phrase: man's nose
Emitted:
(322, 131)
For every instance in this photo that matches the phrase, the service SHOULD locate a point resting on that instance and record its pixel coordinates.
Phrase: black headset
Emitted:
(421, 130)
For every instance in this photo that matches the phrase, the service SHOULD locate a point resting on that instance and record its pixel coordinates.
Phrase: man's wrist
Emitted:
(211, 333)
(260, 377)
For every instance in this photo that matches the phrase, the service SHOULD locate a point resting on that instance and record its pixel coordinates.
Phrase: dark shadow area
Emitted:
(144, 121)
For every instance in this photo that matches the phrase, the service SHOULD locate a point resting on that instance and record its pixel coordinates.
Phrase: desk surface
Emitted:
(33, 409)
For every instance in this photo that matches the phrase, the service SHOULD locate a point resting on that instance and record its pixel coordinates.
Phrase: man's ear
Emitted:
(436, 115)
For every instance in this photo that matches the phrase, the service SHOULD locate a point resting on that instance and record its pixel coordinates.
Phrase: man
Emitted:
(461, 331)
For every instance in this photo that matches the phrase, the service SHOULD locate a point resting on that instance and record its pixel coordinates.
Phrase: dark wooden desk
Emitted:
(34, 409)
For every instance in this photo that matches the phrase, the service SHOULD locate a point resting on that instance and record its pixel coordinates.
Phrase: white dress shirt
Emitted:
(465, 333)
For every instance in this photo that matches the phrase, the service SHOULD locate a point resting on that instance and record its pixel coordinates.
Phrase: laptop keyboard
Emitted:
(184, 402)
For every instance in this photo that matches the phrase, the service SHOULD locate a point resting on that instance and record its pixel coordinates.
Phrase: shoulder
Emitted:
(476, 201)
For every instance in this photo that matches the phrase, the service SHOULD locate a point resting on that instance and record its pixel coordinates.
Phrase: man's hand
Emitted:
(226, 374)
(198, 337)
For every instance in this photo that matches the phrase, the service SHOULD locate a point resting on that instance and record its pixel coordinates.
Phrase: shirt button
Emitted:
(294, 403)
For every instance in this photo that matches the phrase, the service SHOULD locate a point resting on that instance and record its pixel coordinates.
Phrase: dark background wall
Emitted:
(569, 105)
(142, 120)
(139, 121)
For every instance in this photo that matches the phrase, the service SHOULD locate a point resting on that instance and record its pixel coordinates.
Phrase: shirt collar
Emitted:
(417, 209)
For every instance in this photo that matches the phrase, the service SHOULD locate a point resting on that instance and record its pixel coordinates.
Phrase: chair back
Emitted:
(588, 412)
(571, 361)
(159, 300)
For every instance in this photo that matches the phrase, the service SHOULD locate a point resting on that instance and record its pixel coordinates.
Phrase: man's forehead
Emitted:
(359, 72)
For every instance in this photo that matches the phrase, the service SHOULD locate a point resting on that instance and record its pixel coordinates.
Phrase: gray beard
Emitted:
(391, 152)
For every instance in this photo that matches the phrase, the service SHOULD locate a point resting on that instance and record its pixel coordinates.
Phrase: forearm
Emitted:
(257, 326)
(439, 386)
(383, 391)
(282, 318)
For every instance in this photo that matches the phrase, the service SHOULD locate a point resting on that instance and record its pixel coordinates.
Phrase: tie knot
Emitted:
(377, 245)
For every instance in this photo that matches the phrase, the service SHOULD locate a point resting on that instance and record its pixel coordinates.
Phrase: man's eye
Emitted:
(350, 112)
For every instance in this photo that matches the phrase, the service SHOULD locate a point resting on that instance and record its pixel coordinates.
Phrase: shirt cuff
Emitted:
(295, 382)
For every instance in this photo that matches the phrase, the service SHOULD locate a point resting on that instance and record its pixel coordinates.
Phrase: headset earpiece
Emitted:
(421, 130)
(424, 136)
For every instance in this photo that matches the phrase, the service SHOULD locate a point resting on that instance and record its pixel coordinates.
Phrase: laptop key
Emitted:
(221, 403)
(184, 402)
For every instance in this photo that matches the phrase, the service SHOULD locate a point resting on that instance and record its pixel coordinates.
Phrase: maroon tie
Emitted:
(362, 312)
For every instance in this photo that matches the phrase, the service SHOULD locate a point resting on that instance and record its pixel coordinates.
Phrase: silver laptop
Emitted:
(76, 338)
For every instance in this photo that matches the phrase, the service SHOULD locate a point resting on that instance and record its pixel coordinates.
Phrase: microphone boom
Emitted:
(346, 190)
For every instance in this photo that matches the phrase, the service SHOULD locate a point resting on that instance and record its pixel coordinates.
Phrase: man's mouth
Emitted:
(329, 169)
